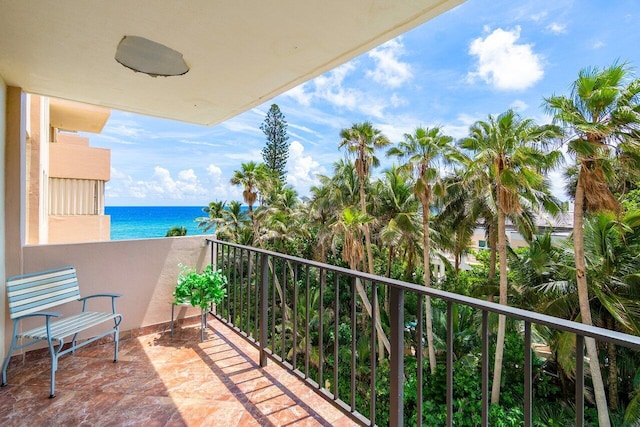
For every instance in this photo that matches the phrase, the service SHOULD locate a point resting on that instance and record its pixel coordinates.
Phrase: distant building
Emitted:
(65, 177)
(560, 226)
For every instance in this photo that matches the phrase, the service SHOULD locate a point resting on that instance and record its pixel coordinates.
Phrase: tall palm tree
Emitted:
(352, 226)
(510, 159)
(456, 220)
(611, 248)
(396, 206)
(361, 140)
(423, 153)
(235, 222)
(249, 177)
(601, 118)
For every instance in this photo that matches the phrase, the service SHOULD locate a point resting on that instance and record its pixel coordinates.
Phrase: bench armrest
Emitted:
(40, 313)
(109, 295)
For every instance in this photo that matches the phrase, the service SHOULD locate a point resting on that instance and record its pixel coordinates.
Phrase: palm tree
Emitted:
(423, 153)
(361, 141)
(176, 231)
(611, 246)
(278, 220)
(235, 222)
(249, 176)
(215, 212)
(510, 160)
(456, 220)
(353, 226)
(601, 119)
(396, 206)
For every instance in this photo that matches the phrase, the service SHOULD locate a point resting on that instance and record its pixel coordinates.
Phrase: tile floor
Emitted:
(163, 381)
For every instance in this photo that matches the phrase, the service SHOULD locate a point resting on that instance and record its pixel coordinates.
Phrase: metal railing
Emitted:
(289, 308)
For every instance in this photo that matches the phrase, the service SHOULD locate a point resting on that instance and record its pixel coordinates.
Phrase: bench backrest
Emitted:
(29, 293)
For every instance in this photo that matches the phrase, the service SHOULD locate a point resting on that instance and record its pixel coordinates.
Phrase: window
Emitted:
(68, 196)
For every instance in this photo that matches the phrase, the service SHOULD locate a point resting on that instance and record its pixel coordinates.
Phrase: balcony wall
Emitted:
(144, 271)
(77, 161)
(79, 228)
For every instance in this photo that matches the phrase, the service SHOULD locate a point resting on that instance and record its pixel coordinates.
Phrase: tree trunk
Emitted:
(427, 283)
(585, 309)
(492, 253)
(367, 241)
(502, 258)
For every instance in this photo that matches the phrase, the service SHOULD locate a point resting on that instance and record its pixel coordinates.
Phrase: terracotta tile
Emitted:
(163, 381)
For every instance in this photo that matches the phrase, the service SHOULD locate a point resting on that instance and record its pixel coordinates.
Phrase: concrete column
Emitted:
(3, 294)
(13, 196)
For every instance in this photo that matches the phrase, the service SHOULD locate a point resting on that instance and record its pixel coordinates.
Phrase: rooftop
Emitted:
(163, 381)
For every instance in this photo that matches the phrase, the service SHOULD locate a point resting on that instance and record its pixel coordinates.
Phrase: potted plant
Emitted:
(200, 289)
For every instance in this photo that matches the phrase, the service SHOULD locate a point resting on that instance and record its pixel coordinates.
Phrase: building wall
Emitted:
(14, 188)
(3, 111)
(69, 160)
(79, 228)
(143, 271)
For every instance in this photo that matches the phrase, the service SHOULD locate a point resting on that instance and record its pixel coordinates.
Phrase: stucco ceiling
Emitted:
(240, 53)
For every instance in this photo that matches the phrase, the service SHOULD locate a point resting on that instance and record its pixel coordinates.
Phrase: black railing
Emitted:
(290, 309)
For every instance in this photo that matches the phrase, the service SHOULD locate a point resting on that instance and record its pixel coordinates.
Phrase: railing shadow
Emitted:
(252, 392)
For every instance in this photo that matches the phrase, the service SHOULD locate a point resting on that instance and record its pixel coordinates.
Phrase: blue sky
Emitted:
(480, 58)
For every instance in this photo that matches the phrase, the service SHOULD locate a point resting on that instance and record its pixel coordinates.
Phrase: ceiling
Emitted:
(239, 53)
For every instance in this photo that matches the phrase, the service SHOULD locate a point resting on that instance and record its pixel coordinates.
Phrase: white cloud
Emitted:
(214, 171)
(539, 16)
(557, 28)
(330, 87)
(519, 105)
(302, 170)
(398, 101)
(389, 71)
(161, 185)
(597, 44)
(124, 128)
(208, 144)
(299, 94)
(460, 127)
(503, 63)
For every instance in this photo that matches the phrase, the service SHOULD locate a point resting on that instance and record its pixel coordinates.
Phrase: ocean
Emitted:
(141, 222)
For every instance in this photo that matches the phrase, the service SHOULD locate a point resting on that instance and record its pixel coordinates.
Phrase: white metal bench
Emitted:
(30, 295)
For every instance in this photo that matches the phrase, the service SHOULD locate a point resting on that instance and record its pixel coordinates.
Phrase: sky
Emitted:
(482, 57)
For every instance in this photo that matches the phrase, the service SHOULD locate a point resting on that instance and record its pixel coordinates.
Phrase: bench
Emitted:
(30, 295)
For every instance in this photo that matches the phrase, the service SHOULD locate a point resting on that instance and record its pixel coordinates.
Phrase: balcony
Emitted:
(163, 381)
(275, 350)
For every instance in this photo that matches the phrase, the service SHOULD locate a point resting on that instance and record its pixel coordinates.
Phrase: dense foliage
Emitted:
(425, 211)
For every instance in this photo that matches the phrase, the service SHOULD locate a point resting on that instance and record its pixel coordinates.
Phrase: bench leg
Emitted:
(116, 340)
(54, 368)
(54, 364)
(7, 359)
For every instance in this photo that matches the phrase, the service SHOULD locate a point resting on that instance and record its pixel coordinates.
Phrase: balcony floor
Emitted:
(163, 381)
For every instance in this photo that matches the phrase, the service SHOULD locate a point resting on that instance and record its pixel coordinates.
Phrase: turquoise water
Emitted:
(141, 222)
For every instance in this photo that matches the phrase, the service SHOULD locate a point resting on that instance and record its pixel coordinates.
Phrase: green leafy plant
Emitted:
(200, 289)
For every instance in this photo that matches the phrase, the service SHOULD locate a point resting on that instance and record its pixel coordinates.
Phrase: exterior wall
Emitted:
(77, 161)
(14, 180)
(3, 127)
(143, 271)
(79, 228)
(37, 166)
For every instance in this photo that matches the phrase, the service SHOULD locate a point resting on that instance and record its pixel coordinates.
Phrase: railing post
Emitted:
(264, 300)
(396, 308)
(580, 380)
(214, 255)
